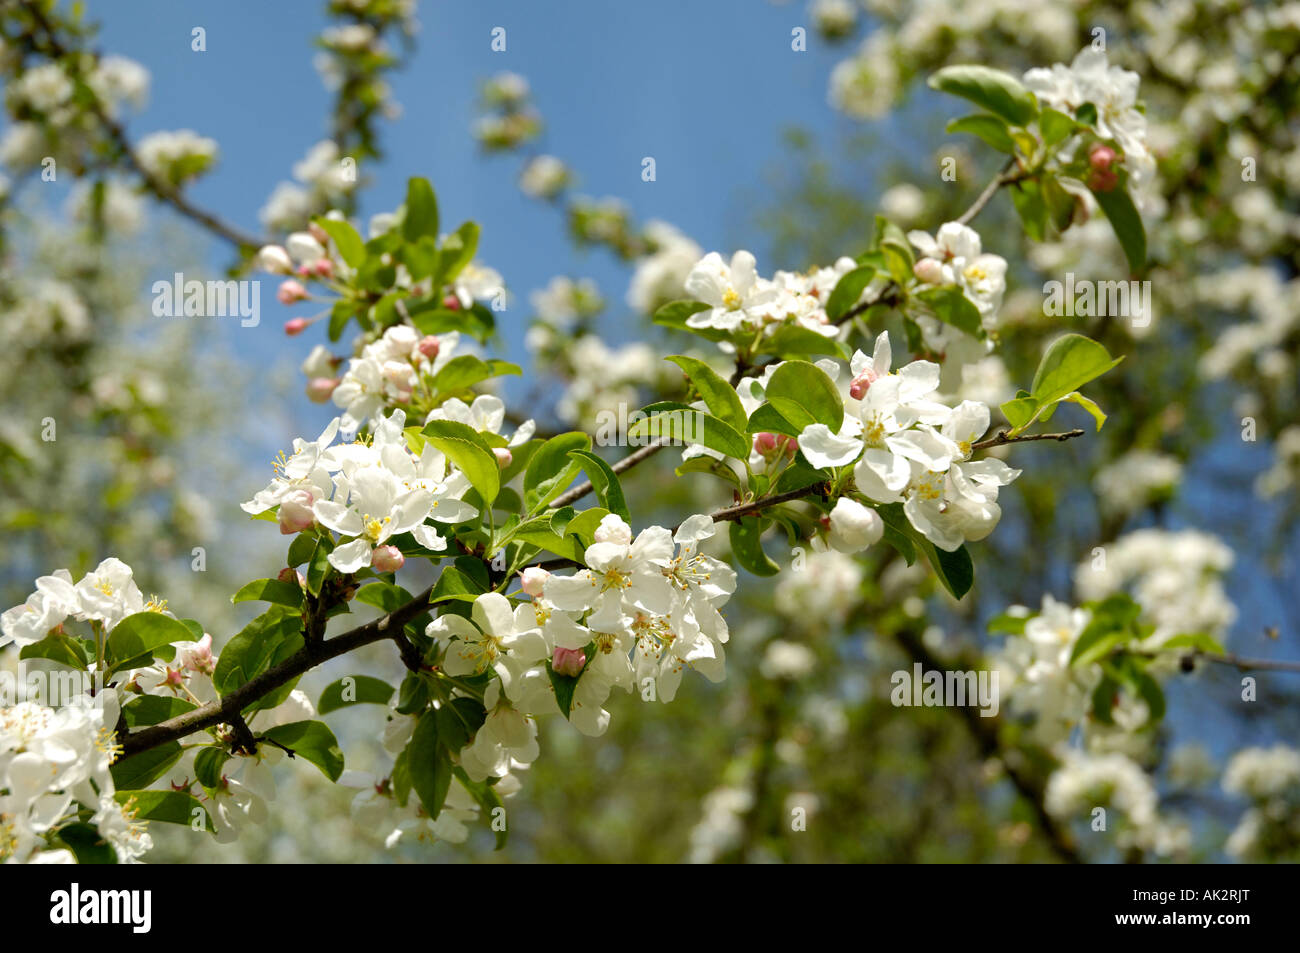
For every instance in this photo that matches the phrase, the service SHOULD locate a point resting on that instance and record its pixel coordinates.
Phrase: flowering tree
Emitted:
(502, 559)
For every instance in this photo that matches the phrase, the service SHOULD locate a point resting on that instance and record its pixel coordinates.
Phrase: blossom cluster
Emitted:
(912, 449)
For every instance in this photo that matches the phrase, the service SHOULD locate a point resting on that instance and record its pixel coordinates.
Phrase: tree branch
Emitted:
(228, 708)
(1001, 439)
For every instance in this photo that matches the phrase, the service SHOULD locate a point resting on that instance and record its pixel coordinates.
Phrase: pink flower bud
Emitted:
(929, 270)
(289, 574)
(428, 346)
(319, 233)
(1102, 159)
(324, 268)
(503, 456)
(295, 326)
(295, 512)
(304, 271)
(859, 386)
(533, 579)
(765, 442)
(290, 291)
(451, 303)
(274, 260)
(568, 661)
(319, 389)
(387, 559)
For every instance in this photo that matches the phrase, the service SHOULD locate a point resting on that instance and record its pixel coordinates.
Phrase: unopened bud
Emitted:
(324, 268)
(929, 270)
(859, 386)
(320, 389)
(290, 292)
(503, 456)
(451, 303)
(533, 579)
(295, 512)
(568, 661)
(387, 559)
(274, 260)
(295, 326)
(428, 346)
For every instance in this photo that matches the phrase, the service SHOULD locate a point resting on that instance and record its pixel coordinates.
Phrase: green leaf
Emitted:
(170, 807)
(267, 640)
(1055, 126)
(711, 466)
(1070, 361)
(421, 210)
(300, 550)
(145, 710)
(354, 690)
(1004, 623)
(429, 764)
(270, 590)
(312, 741)
(350, 247)
(467, 370)
(1194, 640)
(143, 769)
(1031, 205)
(318, 568)
(992, 129)
(693, 427)
(1020, 411)
(994, 90)
(208, 764)
(793, 340)
(458, 721)
(847, 291)
(805, 386)
(605, 481)
(383, 595)
(955, 569)
(951, 306)
(86, 844)
(142, 634)
(746, 543)
(767, 419)
(898, 531)
(454, 584)
(550, 469)
(719, 396)
(58, 647)
(1127, 223)
(1098, 639)
(458, 250)
(675, 313)
(463, 446)
(1088, 405)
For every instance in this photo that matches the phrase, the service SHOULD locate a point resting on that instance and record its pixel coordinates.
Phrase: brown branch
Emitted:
(1002, 439)
(627, 463)
(1238, 662)
(228, 708)
(1002, 178)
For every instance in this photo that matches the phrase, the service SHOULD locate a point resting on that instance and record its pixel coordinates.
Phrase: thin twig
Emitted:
(1001, 439)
